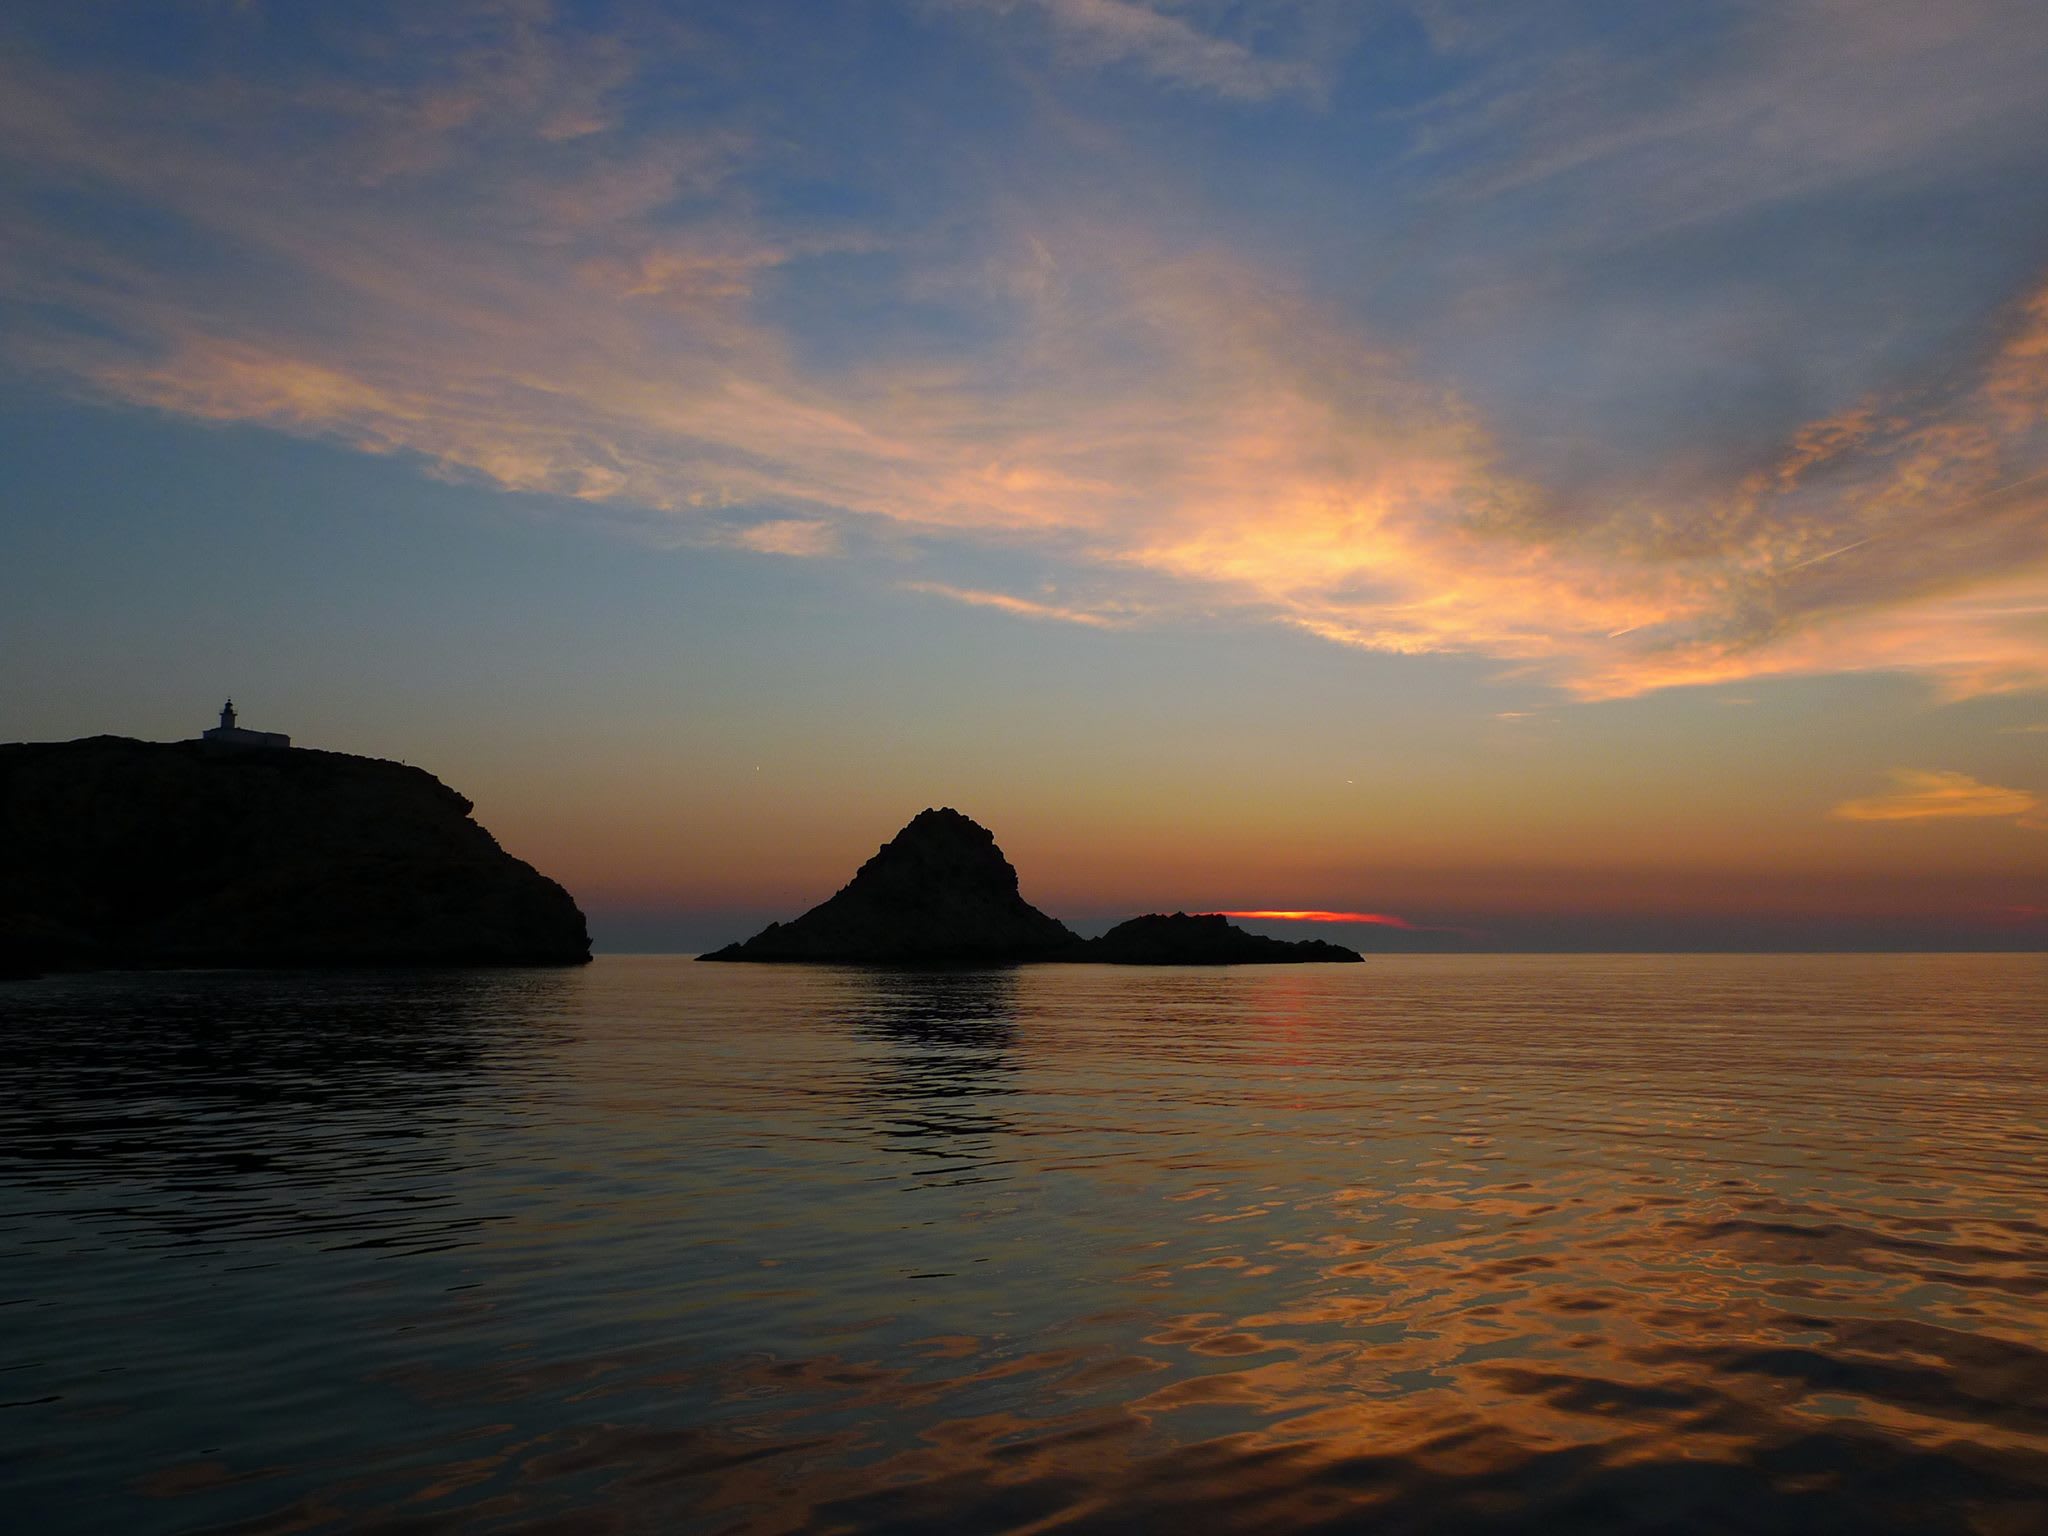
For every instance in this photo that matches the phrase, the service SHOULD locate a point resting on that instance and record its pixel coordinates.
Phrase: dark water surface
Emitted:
(1443, 1244)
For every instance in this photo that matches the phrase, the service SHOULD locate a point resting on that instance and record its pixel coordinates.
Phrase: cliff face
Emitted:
(127, 853)
(1202, 939)
(939, 892)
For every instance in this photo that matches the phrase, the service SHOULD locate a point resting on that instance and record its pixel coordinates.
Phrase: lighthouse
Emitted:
(229, 734)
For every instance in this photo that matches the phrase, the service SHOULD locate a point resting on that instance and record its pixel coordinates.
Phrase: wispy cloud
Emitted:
(1023, 607)
(498, 270)
(1940, 795)
(1161, 41)
(1635, 127)
(789, 536)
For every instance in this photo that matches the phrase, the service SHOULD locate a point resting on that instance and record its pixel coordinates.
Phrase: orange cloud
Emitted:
(1941, 795)
(1180, 432)
(1024, 607)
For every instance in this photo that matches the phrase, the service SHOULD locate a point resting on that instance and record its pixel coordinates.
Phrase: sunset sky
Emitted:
(1565, 475)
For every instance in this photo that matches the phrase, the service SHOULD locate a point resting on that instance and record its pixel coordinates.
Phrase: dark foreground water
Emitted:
(1444, 1245)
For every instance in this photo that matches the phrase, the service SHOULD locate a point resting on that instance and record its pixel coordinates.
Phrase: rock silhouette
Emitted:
(1202, 939)
(939, 892)
(120, 853)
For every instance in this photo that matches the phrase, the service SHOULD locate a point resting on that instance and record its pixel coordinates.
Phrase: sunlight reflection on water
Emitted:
(1445, 1244)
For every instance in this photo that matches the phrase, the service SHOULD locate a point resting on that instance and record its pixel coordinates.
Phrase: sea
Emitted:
(1431, 1244)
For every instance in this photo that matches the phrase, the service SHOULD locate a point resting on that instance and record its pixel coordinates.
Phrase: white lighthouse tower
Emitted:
(229, 734)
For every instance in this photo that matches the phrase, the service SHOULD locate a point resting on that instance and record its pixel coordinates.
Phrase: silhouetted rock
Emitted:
(1204, 939)
(939, 892)
(128, 853)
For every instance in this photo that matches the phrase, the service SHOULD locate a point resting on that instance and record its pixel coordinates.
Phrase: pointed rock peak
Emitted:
(944, 825)
(941, 845)
(946, 816)
(940, 890)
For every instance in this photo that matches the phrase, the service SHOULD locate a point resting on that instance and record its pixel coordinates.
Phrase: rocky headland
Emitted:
(942, 893)
(117, 853)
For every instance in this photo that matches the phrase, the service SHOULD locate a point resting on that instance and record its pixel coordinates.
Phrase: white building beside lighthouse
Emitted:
(229, 734)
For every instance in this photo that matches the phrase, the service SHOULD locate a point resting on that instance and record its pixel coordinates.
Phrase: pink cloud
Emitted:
(480, 273)
(1941, 795)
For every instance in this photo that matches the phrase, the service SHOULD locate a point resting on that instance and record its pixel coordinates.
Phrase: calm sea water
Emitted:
(1444, 1244)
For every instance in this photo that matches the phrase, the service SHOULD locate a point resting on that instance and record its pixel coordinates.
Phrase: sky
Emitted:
(1567, 476)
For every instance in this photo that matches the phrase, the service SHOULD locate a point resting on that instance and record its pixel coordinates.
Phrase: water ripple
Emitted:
(1446, 1245)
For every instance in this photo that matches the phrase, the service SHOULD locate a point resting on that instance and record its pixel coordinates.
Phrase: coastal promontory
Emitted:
(119, 853)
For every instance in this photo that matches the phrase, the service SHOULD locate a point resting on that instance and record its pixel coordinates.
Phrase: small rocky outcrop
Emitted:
(1202, 939)
(120, 853)
(938, 893)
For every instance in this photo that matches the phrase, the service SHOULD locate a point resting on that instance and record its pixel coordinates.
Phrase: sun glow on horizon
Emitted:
(1382, 919)
(1366, 919)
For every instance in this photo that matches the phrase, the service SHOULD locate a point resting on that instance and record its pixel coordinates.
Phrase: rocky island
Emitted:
(1205, 938)
(122, 853)
(942, 893)
(938, 892)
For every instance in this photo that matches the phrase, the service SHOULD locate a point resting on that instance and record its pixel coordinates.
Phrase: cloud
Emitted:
(1166, 46)
(1940, 795)
(790, 536)
(499, 269)
(1629, 129)
(1024, 607)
